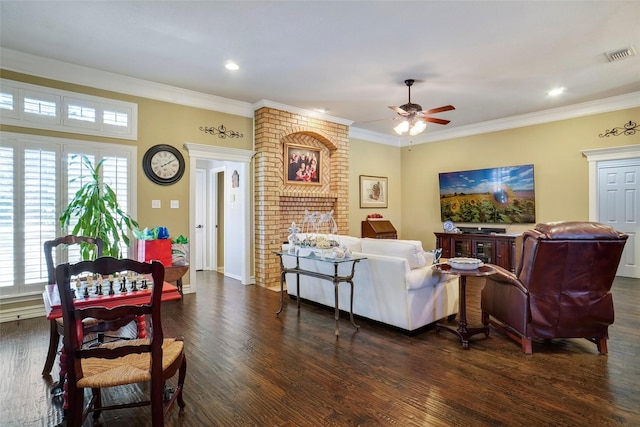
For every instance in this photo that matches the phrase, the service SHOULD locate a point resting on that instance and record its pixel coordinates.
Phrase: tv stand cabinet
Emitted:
(497, 249)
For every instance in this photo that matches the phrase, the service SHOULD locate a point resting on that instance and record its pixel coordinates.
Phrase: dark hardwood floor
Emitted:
(247, 367)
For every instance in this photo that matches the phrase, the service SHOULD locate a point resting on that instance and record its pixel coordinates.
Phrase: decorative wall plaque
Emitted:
(628, 129)
(221, 131)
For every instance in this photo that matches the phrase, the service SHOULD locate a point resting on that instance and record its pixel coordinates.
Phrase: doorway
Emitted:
(234, 205)
(614, 175)
(618, 203)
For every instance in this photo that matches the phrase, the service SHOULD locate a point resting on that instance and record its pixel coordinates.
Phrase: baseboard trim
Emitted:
(26, 312)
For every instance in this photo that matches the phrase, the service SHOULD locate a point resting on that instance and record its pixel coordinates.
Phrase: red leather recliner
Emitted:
(562, 286)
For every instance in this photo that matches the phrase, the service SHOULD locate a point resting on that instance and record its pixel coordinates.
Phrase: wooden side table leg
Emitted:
(281, 293)
(336, 314)
(351, 307)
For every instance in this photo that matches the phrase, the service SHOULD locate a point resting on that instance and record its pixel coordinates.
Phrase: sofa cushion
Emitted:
(411, 250)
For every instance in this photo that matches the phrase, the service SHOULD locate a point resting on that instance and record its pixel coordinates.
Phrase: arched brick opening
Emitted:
(278, 202)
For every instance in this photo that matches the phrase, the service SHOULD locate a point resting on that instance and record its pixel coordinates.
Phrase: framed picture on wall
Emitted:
(373, 192)
(302, 164)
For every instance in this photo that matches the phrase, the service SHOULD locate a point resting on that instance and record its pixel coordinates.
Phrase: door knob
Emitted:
(199, 226)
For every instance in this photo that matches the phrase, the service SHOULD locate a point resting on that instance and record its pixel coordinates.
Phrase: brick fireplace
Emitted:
(278, 202)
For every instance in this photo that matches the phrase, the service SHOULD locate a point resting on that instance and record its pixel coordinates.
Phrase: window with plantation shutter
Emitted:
(116, 174)
(82, 113)
(7, 101)
(38, 177)
(40, 219)
(41, 107)
(7, 215)
(115, 118)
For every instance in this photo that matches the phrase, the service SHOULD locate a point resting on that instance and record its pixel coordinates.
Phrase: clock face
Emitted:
(163, 164)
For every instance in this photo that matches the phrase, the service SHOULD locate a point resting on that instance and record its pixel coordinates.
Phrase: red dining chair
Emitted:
(154, 360)
(94, 329)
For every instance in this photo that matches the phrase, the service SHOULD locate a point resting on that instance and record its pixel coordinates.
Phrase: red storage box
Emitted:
(159, 250)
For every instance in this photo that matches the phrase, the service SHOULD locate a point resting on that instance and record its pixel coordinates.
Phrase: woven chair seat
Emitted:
(89, 321)
(133, 368)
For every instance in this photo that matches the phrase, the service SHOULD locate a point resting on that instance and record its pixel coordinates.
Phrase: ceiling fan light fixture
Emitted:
(417, 128)
(414, 119)
(402, 127)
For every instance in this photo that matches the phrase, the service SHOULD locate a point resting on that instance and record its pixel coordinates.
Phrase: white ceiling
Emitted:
(490, 59)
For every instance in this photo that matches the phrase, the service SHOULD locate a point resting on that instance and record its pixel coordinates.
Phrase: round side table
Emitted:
(463, 332)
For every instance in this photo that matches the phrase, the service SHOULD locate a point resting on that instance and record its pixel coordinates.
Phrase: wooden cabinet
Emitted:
(379, 229)
(498, 249)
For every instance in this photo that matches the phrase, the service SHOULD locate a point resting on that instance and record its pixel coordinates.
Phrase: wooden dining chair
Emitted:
(92, 327)
(155, 359)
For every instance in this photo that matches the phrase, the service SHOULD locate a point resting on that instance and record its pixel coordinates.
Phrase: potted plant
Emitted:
(95, 207)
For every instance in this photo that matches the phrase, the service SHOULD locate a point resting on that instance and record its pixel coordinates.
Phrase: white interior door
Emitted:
(200, 251)
(618, 207)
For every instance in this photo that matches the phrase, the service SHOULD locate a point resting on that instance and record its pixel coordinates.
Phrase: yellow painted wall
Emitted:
(366, 158)
(158, 123)
(555, 150)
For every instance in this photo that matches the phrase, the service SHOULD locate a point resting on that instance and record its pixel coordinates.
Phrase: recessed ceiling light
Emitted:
(321, 110)
(557, 91)
(232, 66)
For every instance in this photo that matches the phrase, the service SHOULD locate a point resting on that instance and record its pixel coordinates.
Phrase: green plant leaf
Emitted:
(96, 210)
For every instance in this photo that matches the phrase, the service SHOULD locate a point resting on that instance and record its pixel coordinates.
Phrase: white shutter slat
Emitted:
(40, 222)
(7, 217)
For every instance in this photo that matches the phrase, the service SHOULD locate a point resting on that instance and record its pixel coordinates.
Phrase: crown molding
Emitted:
(614, 103)
(380, 138)
(301, 111)
(63, 71)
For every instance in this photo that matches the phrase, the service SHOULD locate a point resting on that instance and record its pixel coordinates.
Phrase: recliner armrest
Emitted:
(505, 277)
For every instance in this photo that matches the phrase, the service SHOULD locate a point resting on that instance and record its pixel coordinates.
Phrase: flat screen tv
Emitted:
(496, 195)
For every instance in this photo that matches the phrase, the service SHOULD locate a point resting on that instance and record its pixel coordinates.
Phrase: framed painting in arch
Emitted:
(374, 191)
(302, 165)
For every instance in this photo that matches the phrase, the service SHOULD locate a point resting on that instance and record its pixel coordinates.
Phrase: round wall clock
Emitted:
(163, 164)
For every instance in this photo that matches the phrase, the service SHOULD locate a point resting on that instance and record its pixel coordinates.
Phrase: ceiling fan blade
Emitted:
(435, 120)
(440, 109)
(399, 111)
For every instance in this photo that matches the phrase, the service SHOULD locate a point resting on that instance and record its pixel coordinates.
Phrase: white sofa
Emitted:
(395, 285)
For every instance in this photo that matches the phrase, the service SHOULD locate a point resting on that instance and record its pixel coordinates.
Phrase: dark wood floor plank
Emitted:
(247, 367)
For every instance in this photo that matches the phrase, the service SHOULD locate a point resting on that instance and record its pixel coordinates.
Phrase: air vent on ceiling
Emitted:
(617, 55)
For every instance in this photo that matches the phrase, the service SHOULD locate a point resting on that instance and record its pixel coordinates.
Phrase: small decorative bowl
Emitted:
(465, 263)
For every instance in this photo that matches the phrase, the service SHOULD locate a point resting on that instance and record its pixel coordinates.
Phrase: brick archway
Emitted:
(278, 203)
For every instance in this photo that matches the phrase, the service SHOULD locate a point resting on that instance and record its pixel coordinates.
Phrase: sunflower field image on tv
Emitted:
(495, 195)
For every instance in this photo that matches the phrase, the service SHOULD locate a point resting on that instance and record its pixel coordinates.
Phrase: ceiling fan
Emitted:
(414, 117)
